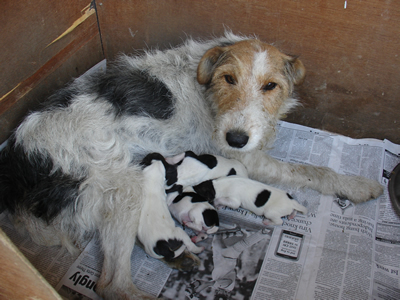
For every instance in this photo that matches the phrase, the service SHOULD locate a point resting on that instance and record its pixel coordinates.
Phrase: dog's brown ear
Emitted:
(295, 70)
(207, 64)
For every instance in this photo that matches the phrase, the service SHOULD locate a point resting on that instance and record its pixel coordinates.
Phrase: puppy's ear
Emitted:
(210, 217)
(207, 64)
(294, 69)
(149, 159)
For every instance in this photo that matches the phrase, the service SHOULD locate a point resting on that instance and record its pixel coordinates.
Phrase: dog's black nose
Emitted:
(237, 139)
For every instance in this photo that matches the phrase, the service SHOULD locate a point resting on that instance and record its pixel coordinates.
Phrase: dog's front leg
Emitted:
(264, 168)
(122, 200)
(116, 280)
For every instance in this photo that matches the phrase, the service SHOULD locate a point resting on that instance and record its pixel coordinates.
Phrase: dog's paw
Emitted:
(187, 261)
(360, 189)
(126, 291)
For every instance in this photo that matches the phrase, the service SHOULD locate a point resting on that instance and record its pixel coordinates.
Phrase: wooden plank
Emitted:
(18, 278)
(27, 30)
(351, 54)
(47, 45)
(44, 71)
(55, 62)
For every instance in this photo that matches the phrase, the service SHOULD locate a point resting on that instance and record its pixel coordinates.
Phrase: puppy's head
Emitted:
(250, 85)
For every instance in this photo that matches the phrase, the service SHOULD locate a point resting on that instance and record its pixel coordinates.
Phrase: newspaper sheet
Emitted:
(337, 251)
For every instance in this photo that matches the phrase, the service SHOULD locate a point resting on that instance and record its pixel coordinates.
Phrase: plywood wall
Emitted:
(350, 48)
(43, 45)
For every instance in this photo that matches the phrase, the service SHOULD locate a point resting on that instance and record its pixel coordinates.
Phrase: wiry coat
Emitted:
(71, 167)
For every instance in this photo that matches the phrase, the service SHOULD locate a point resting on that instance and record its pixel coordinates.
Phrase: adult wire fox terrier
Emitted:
(73, 166)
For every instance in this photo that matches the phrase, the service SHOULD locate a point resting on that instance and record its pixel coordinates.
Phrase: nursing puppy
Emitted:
(192, 169)
(188, 208)
(71, 167)
(194, 211)
(261, 199)
(157, 231)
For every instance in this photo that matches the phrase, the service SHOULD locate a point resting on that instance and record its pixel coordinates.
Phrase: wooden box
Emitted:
(350, 49)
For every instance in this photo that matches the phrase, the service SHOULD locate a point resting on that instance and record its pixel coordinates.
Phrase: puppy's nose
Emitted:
(237, 139)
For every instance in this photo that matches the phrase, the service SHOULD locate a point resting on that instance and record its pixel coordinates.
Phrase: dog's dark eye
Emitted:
(269, 86)
(229, 79)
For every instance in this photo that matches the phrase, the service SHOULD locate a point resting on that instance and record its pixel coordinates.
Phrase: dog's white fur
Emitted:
(156, 223)
(190, 213)
(235, 192)
(218, 86)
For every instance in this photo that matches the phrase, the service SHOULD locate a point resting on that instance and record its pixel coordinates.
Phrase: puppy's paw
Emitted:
(360, 189)
(292, 215)
(198, 238)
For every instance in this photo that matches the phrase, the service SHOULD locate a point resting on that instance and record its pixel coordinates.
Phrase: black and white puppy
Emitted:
(261, 199)
(194, 211)
(192, 169)
(188, 208)
(161, 239)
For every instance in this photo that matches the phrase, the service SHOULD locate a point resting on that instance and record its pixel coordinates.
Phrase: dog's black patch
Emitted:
(209, 160)
(210, 217)
(61, 98)
(171, 172)
(167, 248)
(231, 172)
(135, 92)
(206, 190)
(262, 198)
(29, 182)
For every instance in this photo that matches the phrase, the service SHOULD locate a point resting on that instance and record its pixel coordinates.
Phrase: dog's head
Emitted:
(250, 85)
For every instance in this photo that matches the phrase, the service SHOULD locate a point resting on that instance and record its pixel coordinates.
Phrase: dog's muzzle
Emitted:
(237, 139)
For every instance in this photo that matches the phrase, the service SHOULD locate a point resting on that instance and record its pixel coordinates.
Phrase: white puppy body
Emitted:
(261, 199)
(155, 208)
